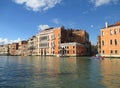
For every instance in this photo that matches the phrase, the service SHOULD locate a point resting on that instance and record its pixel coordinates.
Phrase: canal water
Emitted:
(58, 72)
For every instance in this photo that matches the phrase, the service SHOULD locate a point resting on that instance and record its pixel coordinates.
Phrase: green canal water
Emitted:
(58, 72)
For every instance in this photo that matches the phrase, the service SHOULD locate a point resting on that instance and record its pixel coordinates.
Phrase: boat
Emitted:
(58, 55)
(98, 56)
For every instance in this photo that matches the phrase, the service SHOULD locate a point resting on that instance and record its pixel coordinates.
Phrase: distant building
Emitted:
(109, 40)
(32, 46)
(23, 48)
(94, 50)
(99, 44)
(52, 41)
(72, 49)
(4, 49)
(13, 49)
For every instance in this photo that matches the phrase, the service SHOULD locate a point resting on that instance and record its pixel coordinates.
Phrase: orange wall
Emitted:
(107, 37)
(57, 32)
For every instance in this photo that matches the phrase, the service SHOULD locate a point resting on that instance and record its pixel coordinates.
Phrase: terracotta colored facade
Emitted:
(13, 49)
(72, 49)
(110, 43)
(23, 48)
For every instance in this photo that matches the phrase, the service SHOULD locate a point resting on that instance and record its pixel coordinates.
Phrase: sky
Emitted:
(21, 19)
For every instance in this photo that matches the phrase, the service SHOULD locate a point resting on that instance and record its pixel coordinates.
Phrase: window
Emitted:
(44, 44)
(73, 46)
(52, 37)
(115, 42)
(110, 32)
(110, 42)
(68, 52)
(102, 33)
(111, 51)
(73, 51)
(116, 51)
(44, 38)
(103, 52)
(115, 31)
(102, 42)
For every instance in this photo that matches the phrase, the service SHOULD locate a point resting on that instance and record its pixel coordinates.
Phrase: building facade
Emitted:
(23, 48)
(32, 46)
(48, 41)
(109, 40)
(53, 41)
(72, 49)
(99, 44)
(4, 50)
(13, 49)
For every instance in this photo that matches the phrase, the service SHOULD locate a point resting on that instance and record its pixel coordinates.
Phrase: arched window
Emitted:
(115, 31)
(102, 33)
(115, 41)
(110, 32)
(110, 42)
(102, 42)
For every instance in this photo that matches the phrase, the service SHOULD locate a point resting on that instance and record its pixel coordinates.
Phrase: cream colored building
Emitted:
(46, 41)
(32, 46)
(4, 49)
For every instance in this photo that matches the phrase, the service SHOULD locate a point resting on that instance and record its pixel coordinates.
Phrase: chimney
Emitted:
(106, 24)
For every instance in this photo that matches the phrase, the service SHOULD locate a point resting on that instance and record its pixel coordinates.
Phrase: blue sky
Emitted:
(21, 19)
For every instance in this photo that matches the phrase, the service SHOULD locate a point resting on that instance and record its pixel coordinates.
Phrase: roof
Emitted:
(113, 25)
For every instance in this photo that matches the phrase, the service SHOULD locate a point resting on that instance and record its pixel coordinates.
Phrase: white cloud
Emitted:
(6, 41)
(103, 2)
(56, 21)
(43, 27)
(38, 5)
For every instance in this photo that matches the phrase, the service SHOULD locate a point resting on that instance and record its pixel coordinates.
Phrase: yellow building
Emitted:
(110, 40)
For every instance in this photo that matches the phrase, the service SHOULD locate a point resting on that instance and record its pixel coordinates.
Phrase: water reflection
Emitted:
(110, 70)
(54, 72)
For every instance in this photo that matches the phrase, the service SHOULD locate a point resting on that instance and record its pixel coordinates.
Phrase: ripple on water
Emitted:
(52, 72)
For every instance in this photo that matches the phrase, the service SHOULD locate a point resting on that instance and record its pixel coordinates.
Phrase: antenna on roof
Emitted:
(106, 24)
